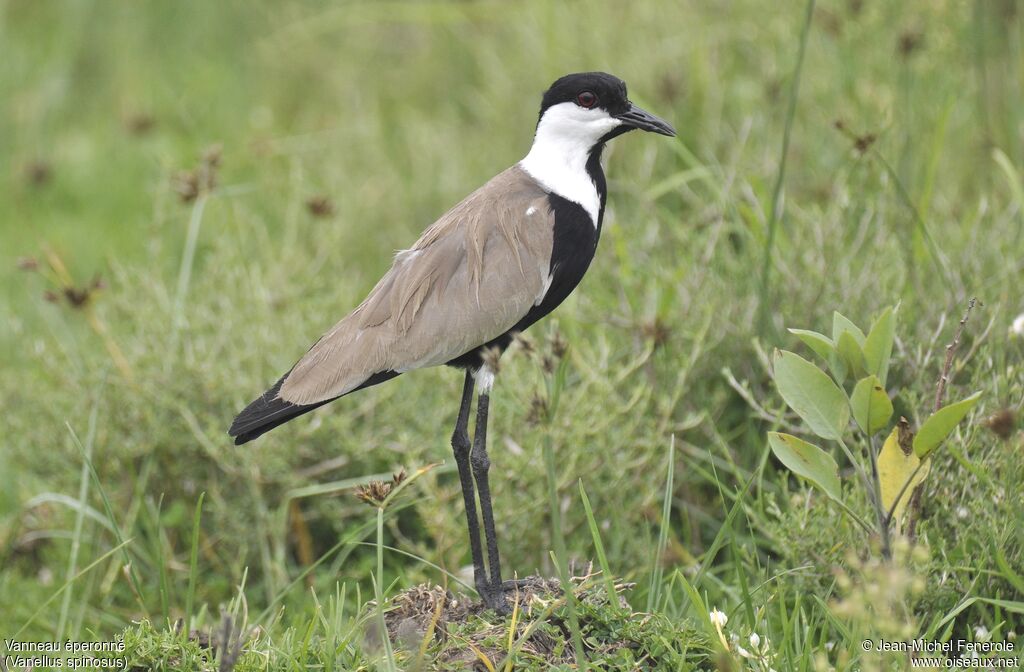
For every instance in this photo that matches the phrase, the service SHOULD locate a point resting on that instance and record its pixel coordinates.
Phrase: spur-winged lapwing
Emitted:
(490, 267)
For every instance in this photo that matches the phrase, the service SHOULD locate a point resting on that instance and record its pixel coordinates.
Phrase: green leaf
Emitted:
(851, 354)
(878, 344)
(807, 460)
(841, 324)
(811, 393)
(837, 366)
(936, 428)
(871, 406)
(820, 343)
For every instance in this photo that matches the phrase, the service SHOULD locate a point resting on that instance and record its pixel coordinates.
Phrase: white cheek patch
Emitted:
(561, 148)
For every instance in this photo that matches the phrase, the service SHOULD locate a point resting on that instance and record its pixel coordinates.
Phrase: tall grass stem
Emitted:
(775, 214)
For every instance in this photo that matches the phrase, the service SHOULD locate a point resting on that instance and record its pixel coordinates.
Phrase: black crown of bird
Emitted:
(498, 261)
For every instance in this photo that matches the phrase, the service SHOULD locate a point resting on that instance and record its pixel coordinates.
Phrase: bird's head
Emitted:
(591, 108)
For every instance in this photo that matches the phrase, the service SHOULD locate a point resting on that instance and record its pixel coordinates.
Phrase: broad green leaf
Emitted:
(852, 355)
(811, 393)
(871, 406)
(936, 428)
(878, 345)
(841, 324)
(837, 366)
(820, 343)
(807, 460)
(895, 468)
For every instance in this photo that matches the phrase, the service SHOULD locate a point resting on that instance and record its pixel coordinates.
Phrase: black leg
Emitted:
(461, 448)
(493, 595)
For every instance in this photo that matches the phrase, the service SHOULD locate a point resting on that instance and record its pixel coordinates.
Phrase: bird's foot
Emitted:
(512, 585)
(493, 597)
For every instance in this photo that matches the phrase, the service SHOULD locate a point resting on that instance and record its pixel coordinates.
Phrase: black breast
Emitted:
(575, 242)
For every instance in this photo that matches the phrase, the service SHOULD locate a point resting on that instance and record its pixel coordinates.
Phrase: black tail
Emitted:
(265, 413)
(269, 410)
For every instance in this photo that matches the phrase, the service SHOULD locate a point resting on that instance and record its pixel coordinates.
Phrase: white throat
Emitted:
(558, 158)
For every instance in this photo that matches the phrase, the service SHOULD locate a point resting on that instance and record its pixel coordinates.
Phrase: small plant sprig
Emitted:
(859, 367)
(79, 298)
(380, 494)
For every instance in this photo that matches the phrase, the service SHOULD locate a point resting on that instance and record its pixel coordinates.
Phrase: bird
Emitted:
(489, 268)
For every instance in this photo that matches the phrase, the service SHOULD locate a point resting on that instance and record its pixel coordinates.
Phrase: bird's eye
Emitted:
(586, 99)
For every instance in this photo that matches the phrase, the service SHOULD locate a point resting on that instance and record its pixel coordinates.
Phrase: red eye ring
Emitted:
(587, 99)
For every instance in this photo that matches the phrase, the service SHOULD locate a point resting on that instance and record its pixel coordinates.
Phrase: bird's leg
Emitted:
(461, 447)
(493, 593)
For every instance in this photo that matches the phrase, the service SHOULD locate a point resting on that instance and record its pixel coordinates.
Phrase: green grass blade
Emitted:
(560, 551)
(133, 576)
(68, 583)
(657, 572)
(193, 560)
(774, 215)
(76, 536)
(602, 557)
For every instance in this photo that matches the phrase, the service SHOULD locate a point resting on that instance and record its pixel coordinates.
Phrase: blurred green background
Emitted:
(336, 133)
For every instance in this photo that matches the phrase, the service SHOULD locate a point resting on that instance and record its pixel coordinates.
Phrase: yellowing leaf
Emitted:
(895, 468)
(941, 423)
(871, 405)
(807, 460)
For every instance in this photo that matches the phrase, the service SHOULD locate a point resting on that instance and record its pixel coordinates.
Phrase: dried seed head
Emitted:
(862, 143)
(200, 180)
(212, 155)
(77, 298)
(547, 363)
(186, 184)
(491, 357)
(559, 346)
(320, 206)
(909, 42)
(28, 264)
(1002, 423)
(373, 493)
(38, 172)
(657, 331)
(139, 123)
(524, 343)
(538, 410)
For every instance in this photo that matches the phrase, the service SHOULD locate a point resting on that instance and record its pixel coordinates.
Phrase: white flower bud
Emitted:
(1018, 325)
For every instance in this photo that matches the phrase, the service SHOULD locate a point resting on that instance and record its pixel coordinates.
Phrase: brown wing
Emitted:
(469, 278)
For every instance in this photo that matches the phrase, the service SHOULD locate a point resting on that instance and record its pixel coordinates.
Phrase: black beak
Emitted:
(636, 117)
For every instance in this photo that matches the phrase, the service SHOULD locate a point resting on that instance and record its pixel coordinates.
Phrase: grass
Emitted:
(342, 131)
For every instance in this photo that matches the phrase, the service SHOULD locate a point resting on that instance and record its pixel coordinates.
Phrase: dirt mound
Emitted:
(438, 629)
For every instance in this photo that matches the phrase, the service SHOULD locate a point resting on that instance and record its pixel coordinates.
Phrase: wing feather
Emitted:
(469, 278)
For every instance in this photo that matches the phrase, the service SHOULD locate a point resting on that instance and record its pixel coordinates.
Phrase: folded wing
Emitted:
(469, 278)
